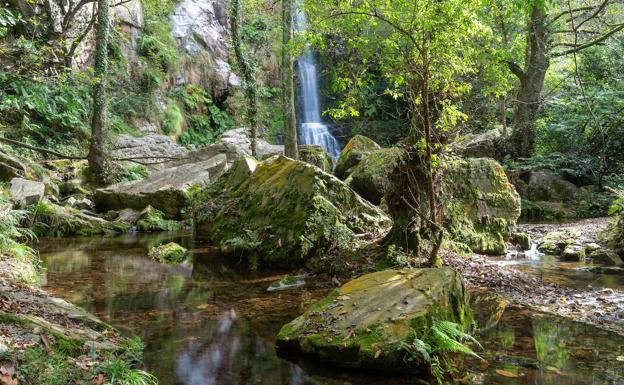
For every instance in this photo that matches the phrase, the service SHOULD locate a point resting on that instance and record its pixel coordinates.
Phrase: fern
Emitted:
(431, 346)
(448, 337)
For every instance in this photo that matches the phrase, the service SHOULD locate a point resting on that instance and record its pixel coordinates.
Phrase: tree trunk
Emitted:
(249, 81)
(290, 121)
(527, 106)
(98, 159)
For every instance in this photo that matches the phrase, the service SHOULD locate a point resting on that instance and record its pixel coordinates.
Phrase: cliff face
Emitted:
(200, 28)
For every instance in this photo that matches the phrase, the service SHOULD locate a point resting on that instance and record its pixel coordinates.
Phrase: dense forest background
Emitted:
(546, 90)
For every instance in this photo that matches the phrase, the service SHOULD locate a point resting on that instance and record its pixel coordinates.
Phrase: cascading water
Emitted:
(312, 130)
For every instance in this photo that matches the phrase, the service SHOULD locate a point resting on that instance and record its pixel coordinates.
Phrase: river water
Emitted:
(211, 321)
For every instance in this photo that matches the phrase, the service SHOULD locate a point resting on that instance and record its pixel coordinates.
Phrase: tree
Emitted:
(552, 31)
(290, 123)
(425, 49)
(248, 72)
(99, 161)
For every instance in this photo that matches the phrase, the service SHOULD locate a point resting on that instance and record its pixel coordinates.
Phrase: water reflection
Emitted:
(211, 321)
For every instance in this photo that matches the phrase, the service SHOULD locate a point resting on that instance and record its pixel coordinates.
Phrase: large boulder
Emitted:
(27, 192)
(481, 207)
(316, 156)
(370, 176)
(284, 213)
(149, 149)
(352, 154)
(547, 195)
(165, 190)
(482, 145)
(364, 323)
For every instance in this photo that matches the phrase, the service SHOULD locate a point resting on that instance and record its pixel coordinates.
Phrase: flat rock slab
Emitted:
(362, 324)
(164, 190)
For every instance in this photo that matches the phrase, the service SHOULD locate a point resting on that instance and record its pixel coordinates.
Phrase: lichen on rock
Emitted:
(363, 324)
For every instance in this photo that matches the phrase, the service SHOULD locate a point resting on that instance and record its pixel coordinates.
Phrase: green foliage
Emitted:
(615, 231)
(49, 368)
(47, 110)
(586, 123)
(432, 345)
(57, 366)
(49, 221)
(12, 238)
(205, 120)
(152, 219)
(396, 256)
(132, 172)
(8, 20)
(120, 372)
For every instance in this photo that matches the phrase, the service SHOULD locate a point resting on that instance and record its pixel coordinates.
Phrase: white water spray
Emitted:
(312, 130)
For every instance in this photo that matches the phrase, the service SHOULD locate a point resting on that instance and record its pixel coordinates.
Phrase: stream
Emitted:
(212, 321)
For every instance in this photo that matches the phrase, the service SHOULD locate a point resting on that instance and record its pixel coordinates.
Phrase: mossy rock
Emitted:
(523, 240)
(151, 220)
(315, 155)
(362, 324)
(575, 253)
(481, 206)
(606, 257)
(54, 220)
(554, 243)
(352, 154)
(285, 213)
(370, 177)
(170, 253)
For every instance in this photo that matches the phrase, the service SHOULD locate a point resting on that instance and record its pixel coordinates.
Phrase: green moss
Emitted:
(287, 213)
(151, 220)
(352, 154)
(370, 177)
(315, 155)
(168, 253)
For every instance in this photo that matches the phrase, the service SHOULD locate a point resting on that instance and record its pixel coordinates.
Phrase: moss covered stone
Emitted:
(168, 253)
(554, 243)
(370, 177)
(151, 220)
(352, 154)
(285, 213)
(316, 156)
(362, 324)
(481, 206)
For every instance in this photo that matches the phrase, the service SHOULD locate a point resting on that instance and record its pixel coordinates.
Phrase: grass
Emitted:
(12, 236)
(57, 366)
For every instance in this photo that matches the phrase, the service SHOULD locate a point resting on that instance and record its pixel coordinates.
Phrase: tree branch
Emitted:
(590, 43)
(39, 149)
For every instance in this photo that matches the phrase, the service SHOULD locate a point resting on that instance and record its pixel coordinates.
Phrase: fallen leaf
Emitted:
(377, 353)
(343, 298)
(100, 379)
(619, 358)
(506, 373)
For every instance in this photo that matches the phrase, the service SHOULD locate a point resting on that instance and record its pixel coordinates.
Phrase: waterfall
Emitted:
(312, 130)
